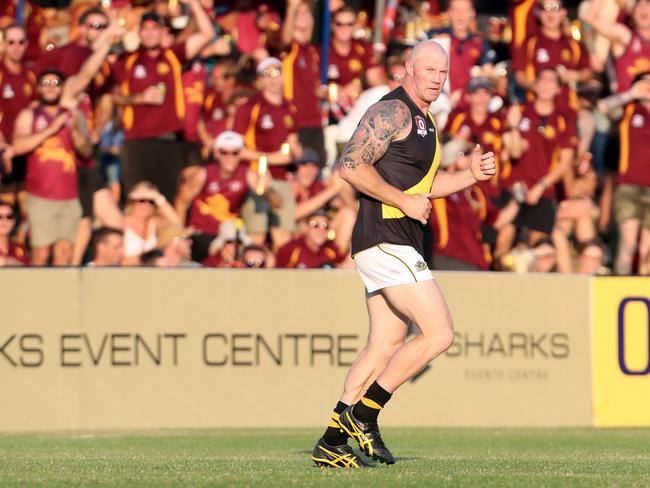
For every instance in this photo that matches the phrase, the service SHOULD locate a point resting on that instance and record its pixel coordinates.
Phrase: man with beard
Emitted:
(53, 135)
(149, 87)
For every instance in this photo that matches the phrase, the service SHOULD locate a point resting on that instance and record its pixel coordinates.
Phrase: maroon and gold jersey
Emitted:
(301, 72)
(342, 69)
(489, 135)
(634, 129)
(52, 166)
(523, 23)
(456, 223)
(16, 251)
(215, 113)
(545, 137)
(220, 199)
(296, 254)
(16, 92)
(69, 59)
(194, 90)
(542, 52)
(634, 61)
(304, 195)
(266, 127)
(34, 24)
(137, 71)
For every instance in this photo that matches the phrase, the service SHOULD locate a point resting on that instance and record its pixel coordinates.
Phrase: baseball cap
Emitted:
(308, 156)
(229, 139)
(478, 83)
(154, 17)
(267, 63)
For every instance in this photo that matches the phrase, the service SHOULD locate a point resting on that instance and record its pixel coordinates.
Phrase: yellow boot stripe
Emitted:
(370, 403)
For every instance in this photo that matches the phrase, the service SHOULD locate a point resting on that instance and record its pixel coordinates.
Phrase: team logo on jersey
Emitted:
(542, 56)
(636, 46)
(637, 121)
(139, 72)
(333, 72)
(302, 63)
(421, 124)
(420, 266)
(355, 65)
(267, 122)
(41, 123)
(7, 91)
(234, 186)
(524, 124)
(217, 114)
(214, 187)
(162, 69)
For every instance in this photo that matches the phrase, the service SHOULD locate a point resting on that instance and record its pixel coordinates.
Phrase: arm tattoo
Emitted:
(382, 123)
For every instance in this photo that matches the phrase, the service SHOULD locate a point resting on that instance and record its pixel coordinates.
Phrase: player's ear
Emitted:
(409, 67)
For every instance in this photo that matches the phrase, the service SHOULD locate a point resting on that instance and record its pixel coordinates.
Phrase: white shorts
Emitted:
(387, 265)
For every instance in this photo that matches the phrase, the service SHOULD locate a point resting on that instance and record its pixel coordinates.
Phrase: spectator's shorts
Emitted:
(540, 217)
(259, 216)
(192, 156)
(91, 179)
(632, 202)
(52, 220)
(387, 265)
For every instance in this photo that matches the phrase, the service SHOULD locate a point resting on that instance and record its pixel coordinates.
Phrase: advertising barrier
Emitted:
(152, 348)
(621, 351)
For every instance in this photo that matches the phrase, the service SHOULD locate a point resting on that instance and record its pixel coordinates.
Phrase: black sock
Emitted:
(333, 435)
(367, 409)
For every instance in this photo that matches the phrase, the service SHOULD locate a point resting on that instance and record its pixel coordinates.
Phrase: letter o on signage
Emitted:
(621, 336)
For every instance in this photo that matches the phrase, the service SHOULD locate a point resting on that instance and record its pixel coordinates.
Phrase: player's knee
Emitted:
(441, 339)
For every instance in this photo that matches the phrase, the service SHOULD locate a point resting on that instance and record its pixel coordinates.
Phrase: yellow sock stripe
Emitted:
(371, 404)
(333, 423)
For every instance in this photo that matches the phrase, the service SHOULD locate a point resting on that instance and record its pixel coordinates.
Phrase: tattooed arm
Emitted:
(385, 121)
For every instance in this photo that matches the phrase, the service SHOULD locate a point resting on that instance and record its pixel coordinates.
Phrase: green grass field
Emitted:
(426, 457)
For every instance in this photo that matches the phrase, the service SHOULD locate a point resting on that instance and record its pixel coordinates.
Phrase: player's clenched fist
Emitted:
(418, 206)
(482, 166)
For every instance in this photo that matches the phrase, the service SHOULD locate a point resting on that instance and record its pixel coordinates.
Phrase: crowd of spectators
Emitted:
(203, 133)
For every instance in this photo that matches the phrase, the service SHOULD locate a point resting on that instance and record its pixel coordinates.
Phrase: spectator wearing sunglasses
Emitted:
(552, 48)
(217, 192)
(256, 256)
(34, 22)
(268, 125)
(11, 253)
(312, 249)
(17, 90)
(147, 210)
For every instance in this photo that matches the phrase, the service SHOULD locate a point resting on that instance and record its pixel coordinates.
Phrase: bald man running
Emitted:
(392, 159)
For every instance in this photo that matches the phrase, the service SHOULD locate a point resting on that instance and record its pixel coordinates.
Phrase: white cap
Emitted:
(266, 63)
(229, 139)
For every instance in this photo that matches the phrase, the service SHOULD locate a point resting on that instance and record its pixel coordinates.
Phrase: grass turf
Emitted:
(258, 457)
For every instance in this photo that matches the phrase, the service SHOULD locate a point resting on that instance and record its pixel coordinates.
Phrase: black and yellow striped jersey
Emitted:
(410, 165)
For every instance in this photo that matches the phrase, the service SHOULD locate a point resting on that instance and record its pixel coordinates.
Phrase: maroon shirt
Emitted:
(542, 52)
(489, 135)
(523, 20)
(16, 92)
(34, 24)
(296, 254)
(456, 224)
(137, 71)
(194, 90)
(17, 252)
(316, 187)
(342, 69)
(634, 61)
(220, 199)
(215, 113)
(52, 166)
(634, 129)
(301, 72)
(545, 136)
(266, 127)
